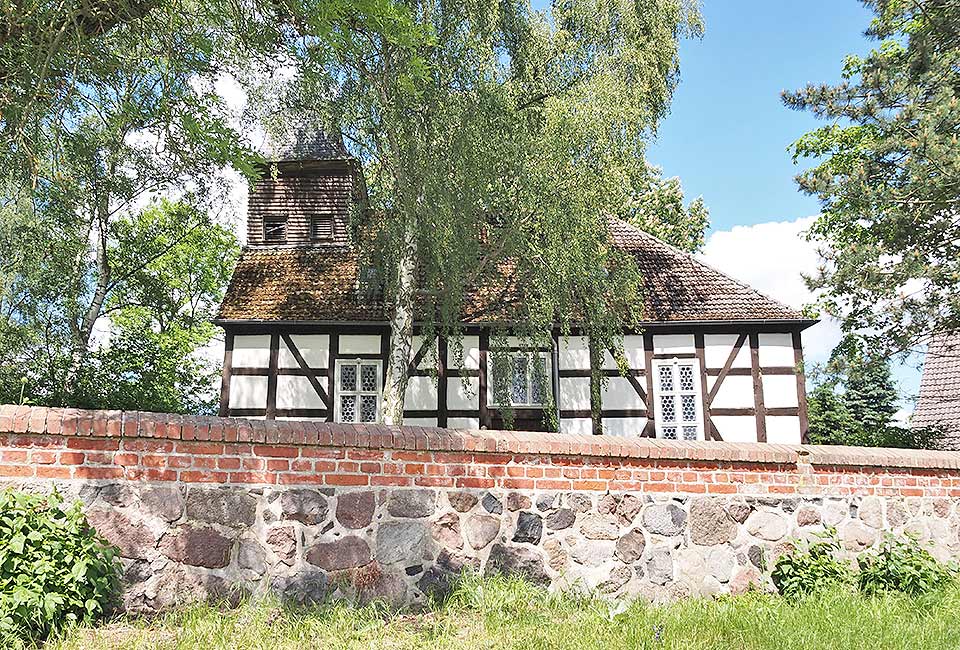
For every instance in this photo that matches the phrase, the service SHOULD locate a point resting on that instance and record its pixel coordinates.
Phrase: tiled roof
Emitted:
(309, 283)
(939, 403)
(679, 287)
(320, 284)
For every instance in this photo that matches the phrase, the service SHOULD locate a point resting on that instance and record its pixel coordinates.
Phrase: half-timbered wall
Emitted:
(748, 385)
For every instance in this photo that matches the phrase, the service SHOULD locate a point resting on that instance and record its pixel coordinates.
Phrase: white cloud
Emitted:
(771, 257)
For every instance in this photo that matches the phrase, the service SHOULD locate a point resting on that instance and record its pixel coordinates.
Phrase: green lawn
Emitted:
(511, 614)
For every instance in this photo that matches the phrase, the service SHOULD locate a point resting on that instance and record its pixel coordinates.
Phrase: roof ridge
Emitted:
(705, 265)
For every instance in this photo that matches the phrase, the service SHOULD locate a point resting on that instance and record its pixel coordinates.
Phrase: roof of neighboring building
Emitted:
(939, 403)
(321, 284)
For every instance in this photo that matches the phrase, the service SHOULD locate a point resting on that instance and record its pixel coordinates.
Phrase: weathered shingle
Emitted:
(679, 287)
(320, 284)
(308, 283)
(939, 403)
(305, 143)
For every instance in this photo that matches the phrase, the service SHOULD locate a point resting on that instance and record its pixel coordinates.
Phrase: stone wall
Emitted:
(205, 506)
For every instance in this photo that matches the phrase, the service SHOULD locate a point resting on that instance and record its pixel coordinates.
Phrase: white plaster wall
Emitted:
(463, 423)
(420, 422)
(359, 344)
(471, 353)
(717, 347)
(776, 350)
(783, 429)
(574, 353)
(296, 392)
(624, 427)
(460, 397)
(314, 348)
(248, 392)
(576, 425)
(251, 351)
(736, 428)
(429, 359)
(619, 394)
(421, 394)
(574, 393)
(736, 391)
(779, 391)
(673, 343)
(632, 350)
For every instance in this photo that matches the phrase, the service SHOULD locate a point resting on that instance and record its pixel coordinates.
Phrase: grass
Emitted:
(495, 614)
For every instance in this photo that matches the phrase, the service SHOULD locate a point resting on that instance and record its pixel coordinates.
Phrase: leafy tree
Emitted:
(657, 207)
(887, 174)
(105, 107)
(172, 266)
(854, 402)
(494, 155)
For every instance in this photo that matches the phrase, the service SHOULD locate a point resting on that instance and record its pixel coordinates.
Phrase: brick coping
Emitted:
(44, 421)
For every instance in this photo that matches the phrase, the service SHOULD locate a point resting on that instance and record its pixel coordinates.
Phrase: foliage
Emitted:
(887, 173)
(497, 614)
(901, 565)
(494, 156)
(854, 401)
(55, 571)
(168, 266)
(104, 108)
(657, 208)
(811, 567)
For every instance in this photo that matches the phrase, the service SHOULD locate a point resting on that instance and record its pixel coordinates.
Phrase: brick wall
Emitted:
(202, 507)
(97, 445)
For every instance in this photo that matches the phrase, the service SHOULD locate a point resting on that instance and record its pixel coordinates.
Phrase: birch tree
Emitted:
(496, 142)
(106, 107)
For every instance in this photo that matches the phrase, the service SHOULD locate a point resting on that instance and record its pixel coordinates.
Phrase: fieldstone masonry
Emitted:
(398, 517)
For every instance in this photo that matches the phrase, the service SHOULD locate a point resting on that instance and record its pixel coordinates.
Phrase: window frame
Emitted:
(315, 219)
(339, 392)
(678, 423)
(274, 220)
(548, 384)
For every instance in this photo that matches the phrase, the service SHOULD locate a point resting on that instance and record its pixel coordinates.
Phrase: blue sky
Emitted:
(728, 132)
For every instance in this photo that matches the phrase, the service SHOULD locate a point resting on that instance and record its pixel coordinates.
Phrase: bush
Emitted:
(55, 570)
(902, 566)
(810, 567)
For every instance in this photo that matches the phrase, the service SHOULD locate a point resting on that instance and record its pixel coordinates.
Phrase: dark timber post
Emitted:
(226, 376)
(271, 413)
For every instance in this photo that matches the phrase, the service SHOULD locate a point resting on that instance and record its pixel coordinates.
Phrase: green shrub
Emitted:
(901, 565)
(55, 570)
(811, 566)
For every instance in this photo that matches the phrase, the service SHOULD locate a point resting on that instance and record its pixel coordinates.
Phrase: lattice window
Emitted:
(686, 377)
(358, 398)
(666, 379)
(678, 413)
(523, 377)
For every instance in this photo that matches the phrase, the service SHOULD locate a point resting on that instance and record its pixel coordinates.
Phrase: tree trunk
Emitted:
(401, 329)
(81, 343)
